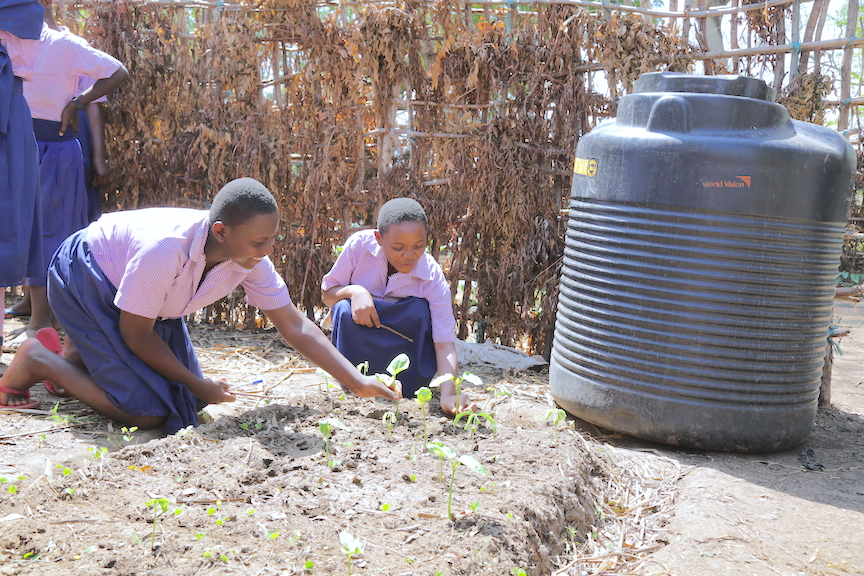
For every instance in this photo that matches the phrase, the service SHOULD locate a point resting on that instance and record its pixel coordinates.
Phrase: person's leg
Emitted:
(22, 307)
(34, 363)
(40, 311)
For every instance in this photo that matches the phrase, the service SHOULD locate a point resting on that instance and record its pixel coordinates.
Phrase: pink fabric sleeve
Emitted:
(346, 263)
(88, 61)
(84, 83)
(441, 308)
(265, 288)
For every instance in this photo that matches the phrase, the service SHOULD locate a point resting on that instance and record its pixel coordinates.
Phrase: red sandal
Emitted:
(49, 338)
(26, 393)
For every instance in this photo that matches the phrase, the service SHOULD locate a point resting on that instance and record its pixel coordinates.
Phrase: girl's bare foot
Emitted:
(22, 373)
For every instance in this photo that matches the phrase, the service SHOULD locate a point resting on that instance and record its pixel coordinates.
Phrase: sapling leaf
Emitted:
(363, 367)
(472, 378)
(399, 364)
(423, 395)
(472, 464)
(437, 381)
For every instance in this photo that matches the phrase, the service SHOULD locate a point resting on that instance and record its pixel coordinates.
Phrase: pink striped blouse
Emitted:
(155, 259)
(362, 262)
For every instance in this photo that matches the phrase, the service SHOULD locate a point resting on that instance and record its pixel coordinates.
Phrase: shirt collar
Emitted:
(421, 269)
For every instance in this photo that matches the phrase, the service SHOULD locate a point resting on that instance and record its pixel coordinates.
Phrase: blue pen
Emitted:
(259, 381)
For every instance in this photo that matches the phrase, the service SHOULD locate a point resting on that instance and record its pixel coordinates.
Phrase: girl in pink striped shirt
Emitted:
(120, 289)
(384, 277)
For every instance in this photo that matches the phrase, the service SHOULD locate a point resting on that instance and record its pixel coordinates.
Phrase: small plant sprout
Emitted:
(308, 565)
(98, 453)
(389, 420)
(472, 421)
(423, 396)
(474, 506)
(327, 378)
(469, 461)
(457, 382)
(326, 428)
(556, 416)
(351, 546)
(385, 507)
(399, 364)
(128, 433)
(159, 505)
(363, 368)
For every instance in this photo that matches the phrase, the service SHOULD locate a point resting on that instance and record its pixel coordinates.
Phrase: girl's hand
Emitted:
(69, 118)
(371, 387)
(363, 310)
(215, 391)
(448, 404)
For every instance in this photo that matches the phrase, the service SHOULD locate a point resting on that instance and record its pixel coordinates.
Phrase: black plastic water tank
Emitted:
(703, 240)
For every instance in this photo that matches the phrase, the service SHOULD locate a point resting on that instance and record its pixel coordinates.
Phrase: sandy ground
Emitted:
(767, 514)
(657, 510)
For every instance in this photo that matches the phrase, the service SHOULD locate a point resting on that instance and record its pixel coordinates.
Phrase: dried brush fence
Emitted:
(474, 109)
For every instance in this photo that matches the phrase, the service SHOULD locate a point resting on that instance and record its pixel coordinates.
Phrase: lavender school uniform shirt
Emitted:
(362, 262)
(154, 257)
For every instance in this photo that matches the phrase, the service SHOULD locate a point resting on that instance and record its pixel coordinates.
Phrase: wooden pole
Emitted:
(796, 40)
(733, 36)
(846, 67)
(808, 33)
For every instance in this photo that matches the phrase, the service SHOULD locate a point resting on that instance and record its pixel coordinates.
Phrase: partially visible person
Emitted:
(51, 67)
(121, 287)
(21, 232)
(385, 281)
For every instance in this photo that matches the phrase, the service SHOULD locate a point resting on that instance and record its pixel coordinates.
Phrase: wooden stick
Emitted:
(397, 333)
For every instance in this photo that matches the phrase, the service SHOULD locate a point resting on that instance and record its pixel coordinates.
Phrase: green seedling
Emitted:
(442, 452)
(70, 491)
(389, 420)
(272, 534)
(440, 455)
(98, 453)
(556, 416)
(30, 556)
(474, 506)
(327, 378)
(159, 505)
(326, 428)
(516, 571)
(128, 433)
(399, 364)
(472, 421)
(308, 565)
(363, 368)
(457, 382)
(351, 546)
(385, 507)
(423, 396)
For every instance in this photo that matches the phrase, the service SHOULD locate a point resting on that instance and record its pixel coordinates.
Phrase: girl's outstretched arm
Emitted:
(304, 336)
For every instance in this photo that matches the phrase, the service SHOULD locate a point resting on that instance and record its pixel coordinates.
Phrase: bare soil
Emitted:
(259, 491)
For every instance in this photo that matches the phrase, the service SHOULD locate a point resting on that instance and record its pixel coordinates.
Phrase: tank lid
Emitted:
(726, 84)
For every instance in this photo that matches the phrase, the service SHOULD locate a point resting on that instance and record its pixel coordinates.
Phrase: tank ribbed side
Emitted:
(724, 312)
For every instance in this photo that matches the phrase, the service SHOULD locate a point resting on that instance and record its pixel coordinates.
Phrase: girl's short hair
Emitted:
(241, 200)
(400, 210)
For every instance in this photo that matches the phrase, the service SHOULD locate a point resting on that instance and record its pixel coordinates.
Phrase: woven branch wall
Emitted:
(476, 113)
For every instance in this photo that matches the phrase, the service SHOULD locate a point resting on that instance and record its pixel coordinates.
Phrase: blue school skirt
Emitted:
(21, 231)
(85, 139)
(83, 302)
(61, 183)
(379, 346)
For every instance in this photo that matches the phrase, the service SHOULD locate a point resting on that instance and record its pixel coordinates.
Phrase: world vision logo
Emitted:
(741, 182)
(585, 167)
